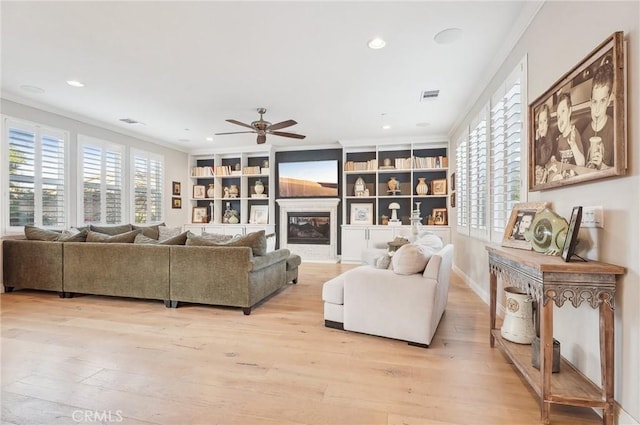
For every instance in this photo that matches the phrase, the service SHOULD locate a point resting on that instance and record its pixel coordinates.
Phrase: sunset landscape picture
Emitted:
(308, 179)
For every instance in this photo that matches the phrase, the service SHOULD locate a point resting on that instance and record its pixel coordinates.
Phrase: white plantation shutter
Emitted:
(101, 165)
(36, 165)
(506, 152)
(148, 170)
(462, 187)
(478, 177)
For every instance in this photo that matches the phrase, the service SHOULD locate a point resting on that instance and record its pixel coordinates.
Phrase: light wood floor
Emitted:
(63, 359)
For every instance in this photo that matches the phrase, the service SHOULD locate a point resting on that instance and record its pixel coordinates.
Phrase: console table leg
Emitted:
(493, 285)
(546, 357)
(607, 360)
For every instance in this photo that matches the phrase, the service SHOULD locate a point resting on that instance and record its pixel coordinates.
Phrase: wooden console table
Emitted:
(548, 278)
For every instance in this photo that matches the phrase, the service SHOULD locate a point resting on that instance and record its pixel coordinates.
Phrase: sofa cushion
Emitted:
(383, 261)
(409, 259)
(256, 241)
(149, 231)
(127, 237)
(165, 232)
(38, 234)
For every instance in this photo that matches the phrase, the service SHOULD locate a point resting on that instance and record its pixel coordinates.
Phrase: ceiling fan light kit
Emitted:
(262, 128)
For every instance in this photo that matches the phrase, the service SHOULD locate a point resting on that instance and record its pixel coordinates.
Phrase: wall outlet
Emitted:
(592, 217)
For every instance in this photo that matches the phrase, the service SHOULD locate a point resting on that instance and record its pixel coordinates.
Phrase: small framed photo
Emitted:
(361, 213)
(569, 247)
(259, 214)
(199, 215)
(440, 216)
(453, 199)
(176, 202)
(453, 182)
(199, 191)
(176, 188)
(520, 220)
(439, 187)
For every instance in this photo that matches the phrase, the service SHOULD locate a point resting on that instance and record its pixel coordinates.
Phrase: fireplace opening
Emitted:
(309, 228)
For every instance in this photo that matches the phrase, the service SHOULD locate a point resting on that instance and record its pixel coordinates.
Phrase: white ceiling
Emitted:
(182, 68)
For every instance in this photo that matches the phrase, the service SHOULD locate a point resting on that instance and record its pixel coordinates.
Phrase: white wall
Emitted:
(175, 161)
(558, 38)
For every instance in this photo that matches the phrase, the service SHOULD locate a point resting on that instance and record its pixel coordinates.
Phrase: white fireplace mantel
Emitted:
(308, 252)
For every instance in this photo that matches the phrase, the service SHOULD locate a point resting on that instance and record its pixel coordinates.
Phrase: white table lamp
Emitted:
(394, 207)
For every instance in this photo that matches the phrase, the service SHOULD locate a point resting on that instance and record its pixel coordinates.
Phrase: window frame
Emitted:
(148, 156)
(105, 146)
(39, 130)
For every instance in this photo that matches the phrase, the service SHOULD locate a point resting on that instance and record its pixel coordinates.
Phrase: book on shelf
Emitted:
(403, 163)
(223, 170)
(202, 172)
(430, 162)
(370, 165)
(251, 169)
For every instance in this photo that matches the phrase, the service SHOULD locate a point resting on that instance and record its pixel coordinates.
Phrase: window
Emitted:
(489, 174)
(36, 176)
(506, 152)
(462, 208)
(148, 176)
(478, 177)
(101, 168)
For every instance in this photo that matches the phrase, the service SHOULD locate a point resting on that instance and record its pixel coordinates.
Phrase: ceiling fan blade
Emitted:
(233, 132)
(285, 134)
(261, 139)
(283, 124)
(239, 123)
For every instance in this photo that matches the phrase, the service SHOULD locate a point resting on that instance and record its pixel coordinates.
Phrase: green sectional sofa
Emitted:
(228, 276)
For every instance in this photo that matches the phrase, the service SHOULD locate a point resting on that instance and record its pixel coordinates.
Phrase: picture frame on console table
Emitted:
(519, 222)
(577, 128)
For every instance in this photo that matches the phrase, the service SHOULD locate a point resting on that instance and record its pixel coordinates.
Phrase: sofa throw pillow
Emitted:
(165, 232)
(256, 241)
(73, 236)
(430, 240)
(111, 230)
(37, 234)
(409, 259)
(180, 239)
(383, 262)
(149, 231)
(144, 240)
(271, 242)
(127, 237)
(216, 237)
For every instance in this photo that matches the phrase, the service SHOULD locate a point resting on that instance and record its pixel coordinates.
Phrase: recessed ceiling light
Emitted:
(376, 43)
(448, 36)
(423, 124)
(209, 139)
(75, 83)
(386, 127)
(184, 140)
(32, 89)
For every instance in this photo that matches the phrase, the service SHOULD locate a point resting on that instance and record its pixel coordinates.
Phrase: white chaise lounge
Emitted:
(381, 302)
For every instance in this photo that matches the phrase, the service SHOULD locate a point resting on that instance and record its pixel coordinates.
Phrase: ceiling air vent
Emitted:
(429, 95)
(130, 121)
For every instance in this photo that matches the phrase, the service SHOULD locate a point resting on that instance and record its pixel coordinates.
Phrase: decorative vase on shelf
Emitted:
(233, 191)
(259, 187)
(422, 189)
(393, 185)
(210, 191)
(233, 219)
(227, 213)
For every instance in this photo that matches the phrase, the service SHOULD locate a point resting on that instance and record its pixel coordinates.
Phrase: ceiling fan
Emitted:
(262, 128)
